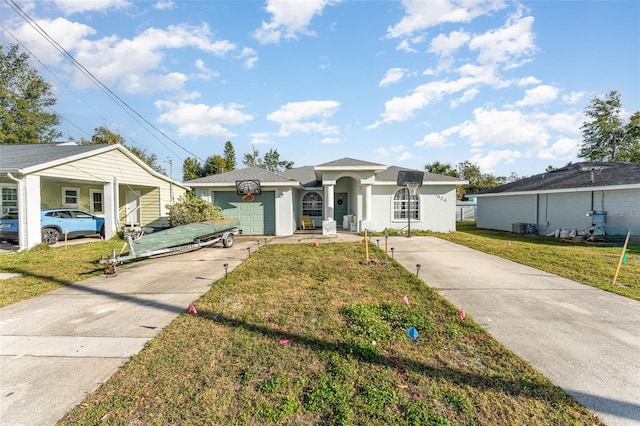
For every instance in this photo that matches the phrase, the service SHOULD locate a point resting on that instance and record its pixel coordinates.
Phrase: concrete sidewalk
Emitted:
(585, 340)
(57, 348)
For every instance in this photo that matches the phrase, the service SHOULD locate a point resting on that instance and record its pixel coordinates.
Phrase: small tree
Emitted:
(229, 157)
(191, 169)
(25, 99)
(190, 209)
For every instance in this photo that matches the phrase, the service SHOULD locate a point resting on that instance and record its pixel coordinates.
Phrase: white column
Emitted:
(30, 187)
(367, 202)
(329, 200)
(110, 208)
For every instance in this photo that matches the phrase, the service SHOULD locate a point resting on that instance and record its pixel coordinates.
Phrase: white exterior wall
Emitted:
(285, 218)
(437, 209)
(623, 210)
(500, 212)
(562, 210)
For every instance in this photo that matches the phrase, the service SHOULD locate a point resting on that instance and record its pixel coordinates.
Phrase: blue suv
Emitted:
(54, 224)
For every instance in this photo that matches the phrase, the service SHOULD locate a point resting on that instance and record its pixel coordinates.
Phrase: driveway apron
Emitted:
(57, 348)
(585, 340)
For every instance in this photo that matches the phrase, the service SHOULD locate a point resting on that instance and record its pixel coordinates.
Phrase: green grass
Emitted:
(45, 268)
(593, 264)
(348, 359)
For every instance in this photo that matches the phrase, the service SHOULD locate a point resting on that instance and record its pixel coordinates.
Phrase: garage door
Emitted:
(256, 217)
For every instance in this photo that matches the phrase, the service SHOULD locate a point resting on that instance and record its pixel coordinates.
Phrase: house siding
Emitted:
(559, 210)
(500, 212)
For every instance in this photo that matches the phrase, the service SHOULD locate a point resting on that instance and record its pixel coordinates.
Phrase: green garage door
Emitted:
(256, 217)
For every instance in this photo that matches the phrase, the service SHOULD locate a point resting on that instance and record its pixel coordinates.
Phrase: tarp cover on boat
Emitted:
(181, 235)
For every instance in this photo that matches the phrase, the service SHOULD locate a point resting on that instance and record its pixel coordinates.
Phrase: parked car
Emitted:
(9, 226)
(55, 223)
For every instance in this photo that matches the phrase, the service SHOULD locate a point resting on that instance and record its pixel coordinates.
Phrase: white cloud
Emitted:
(119, 61)
(293, 117)
(467, 96)
(205, 73)
(382, 151)
(538, 95)
(68, 35)
(527, 81)
(164, 5)
(405, 47)
(260, 138)
(488, 161)
(392, 76)
(444, 45)
(81, 6)
(433, 139)
(515, 40)
(402, 108)
(250, 57)
(495, 127)
(405, 156)
(420, 14)
(200, 119)
(289, 19)
(573, 98)
(563, 149)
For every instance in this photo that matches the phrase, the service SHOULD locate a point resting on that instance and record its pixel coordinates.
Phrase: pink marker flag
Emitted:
(284, 341)
(462, 313)
(509, 244)
(192, 309)
(406, 300)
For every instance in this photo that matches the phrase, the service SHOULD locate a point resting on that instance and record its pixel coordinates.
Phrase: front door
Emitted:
(132, 208)
(340, 207)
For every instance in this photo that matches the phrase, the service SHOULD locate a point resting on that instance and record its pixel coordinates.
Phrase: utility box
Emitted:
(524, 228)
(597, 217)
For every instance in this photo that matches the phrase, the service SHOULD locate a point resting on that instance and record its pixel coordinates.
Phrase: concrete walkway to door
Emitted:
(585, 340)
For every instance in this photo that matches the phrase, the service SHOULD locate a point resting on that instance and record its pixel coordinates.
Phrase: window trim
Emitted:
(64, 196)
(92, 208)
(399, 214)
(307, 211)
(5, 205)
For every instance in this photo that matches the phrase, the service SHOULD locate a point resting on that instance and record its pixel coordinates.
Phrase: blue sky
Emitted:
(499, 83)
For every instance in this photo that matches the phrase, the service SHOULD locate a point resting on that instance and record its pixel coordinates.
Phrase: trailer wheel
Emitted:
(227, 241)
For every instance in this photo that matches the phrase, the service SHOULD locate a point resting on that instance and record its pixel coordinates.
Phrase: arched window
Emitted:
(312, 204)
(401, 205)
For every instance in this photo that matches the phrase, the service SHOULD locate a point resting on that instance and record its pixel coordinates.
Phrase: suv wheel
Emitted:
(50, 235)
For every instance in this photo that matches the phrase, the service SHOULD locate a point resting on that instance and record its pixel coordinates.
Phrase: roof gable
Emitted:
(391, 175)
(26, 156)
(349, 163)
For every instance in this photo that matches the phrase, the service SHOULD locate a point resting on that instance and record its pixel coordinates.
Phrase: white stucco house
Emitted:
(345, 194)
(578, 196)
(105, 180)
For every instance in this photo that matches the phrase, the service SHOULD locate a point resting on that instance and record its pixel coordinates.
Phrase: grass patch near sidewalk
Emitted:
(45, 268)
(593, 264)
(310, 335)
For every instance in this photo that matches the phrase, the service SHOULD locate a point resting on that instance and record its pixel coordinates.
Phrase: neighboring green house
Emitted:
(106, 180)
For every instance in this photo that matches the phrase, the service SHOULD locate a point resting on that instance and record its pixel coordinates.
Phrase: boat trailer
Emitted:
(226, 237)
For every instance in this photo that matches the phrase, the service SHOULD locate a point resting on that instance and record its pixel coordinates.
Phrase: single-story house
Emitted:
(345, 194)
(576, 197)
(105, 180)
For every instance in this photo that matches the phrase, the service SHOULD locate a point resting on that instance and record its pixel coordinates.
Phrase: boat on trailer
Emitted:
(180, 238)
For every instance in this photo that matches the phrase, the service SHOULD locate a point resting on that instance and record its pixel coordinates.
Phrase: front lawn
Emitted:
(309, 335)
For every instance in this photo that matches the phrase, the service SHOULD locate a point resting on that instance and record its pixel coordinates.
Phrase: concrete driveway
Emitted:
(585, 340)
(57, 348)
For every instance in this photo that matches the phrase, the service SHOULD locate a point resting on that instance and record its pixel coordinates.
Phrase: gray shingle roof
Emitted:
(249, 173)
(305, 175)
(580, 175)
(21, 156)
(391, 175)
(350, 162)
